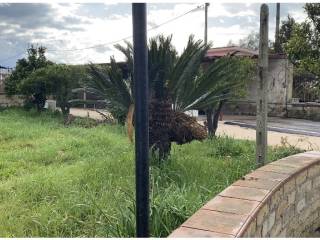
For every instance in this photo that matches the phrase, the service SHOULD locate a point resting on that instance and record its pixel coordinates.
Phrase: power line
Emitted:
(128, 37)
(112, 42)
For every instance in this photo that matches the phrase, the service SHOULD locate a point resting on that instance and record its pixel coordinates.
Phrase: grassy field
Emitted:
(79, 182)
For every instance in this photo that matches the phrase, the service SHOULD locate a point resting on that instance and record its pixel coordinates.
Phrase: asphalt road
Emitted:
(276, 124)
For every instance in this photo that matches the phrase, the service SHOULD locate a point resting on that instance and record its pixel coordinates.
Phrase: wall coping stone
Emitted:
(231, 212)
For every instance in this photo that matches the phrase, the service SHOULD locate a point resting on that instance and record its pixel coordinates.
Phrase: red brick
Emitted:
(256, 183)
(246, 193)
(185, 232)
(267, 175)
(216, 222)
(231, 205)
(278, 169)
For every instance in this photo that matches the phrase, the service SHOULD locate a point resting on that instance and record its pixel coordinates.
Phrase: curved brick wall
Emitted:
(281, 199)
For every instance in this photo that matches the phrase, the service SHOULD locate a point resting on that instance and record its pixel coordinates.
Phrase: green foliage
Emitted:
(109, 83)
(179, 78)
(251, 41)
(61, 80)
(305, 85)
(227, 146)
(161, 62)
(84, 122)
(285, 32)
(79, 182)
(301, 43)
(57, 80)
(36, 59)
(303, 46)
(35, 88)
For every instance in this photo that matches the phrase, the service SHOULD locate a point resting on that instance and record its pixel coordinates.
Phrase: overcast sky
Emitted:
(65, 26)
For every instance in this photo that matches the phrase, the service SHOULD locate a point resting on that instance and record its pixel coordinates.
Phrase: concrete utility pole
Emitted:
(276, 41)
(262, 104)
(206, 22)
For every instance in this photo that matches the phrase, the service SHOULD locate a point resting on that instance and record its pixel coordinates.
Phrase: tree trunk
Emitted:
(209, 114)
(216, 117)
(65, 111)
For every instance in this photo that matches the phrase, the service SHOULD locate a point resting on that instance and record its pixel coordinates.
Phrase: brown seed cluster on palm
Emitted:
(185, 128)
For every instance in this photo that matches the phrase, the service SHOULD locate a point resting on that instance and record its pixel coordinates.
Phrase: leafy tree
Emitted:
(313, 11)
(35, 88)
(178, 81)
(286, 31)
(303, 46)
(251, 41)
(303, 49)
(56, 80)
(36, 59)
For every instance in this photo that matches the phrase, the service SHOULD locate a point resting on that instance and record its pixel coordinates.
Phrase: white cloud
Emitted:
(226, 22)
(220, 36)
(219, 10)
(299, 16)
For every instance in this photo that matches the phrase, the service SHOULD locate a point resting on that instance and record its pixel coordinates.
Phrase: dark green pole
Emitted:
(140, 77)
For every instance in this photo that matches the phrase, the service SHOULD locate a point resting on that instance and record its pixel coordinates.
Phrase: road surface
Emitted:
(303, 134)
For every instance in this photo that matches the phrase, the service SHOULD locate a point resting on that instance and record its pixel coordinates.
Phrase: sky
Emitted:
(86, 32)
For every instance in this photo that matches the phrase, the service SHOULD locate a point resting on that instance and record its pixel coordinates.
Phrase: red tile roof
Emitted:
(233, 50)
(238, 51)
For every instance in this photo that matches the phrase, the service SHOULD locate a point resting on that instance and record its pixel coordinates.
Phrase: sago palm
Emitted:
(177, 84)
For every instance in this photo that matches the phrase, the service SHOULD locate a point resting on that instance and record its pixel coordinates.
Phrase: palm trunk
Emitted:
(210, 127)
(160, 121)
(216, 117)
(129, 121)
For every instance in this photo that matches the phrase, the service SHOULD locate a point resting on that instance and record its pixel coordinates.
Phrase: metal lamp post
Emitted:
(140, 77)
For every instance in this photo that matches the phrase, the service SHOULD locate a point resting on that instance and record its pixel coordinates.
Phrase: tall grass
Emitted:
(75, 181)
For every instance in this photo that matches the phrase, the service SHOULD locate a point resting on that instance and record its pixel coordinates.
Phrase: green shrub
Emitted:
(224, 146)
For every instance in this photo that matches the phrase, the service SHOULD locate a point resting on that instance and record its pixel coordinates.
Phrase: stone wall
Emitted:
(279, 87)
(307, 110)
(281, 199)
(280, 82)
(10, 101)
(243, 107)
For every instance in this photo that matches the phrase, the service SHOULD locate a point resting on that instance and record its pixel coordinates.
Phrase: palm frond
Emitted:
(161, 60)
(186, 69)
(108, 83)
(216, 82)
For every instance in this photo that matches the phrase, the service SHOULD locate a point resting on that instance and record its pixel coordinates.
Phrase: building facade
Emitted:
(280, 83)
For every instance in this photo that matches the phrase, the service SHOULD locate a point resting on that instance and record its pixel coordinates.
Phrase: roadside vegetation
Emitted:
(78, 181)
